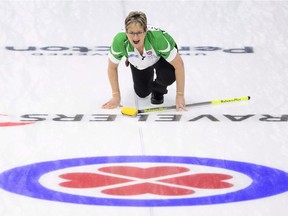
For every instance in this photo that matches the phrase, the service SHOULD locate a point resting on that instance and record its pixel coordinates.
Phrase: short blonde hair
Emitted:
(136, 17)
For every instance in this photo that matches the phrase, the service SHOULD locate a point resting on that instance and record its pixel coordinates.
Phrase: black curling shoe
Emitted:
(157, 99)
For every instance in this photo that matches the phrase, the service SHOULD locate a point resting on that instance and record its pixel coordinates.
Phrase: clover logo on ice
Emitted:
(130, 180)
(145, 181)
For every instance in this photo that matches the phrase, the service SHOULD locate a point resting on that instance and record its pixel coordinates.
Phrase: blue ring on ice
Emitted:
(24, 180)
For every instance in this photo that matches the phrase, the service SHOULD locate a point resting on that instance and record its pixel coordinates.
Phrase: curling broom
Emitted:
(133, 112)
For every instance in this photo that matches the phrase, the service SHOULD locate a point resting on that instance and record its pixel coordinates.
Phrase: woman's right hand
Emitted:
(114, 102)
(111, 104)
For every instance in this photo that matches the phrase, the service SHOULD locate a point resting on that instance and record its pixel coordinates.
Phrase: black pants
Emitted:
(144, 82)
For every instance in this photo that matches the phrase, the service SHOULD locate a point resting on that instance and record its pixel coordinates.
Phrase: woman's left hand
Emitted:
(180, 103)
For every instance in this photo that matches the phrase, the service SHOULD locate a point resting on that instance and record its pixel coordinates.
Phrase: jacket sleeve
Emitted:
(117, 49)
(166, 46)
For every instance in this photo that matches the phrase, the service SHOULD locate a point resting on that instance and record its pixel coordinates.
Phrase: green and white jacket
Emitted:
(157, 43)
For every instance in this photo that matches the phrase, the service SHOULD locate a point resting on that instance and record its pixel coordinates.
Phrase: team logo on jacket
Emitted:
(149, 52)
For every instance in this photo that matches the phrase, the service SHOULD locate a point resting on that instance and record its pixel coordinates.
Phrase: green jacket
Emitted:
(157, 44)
